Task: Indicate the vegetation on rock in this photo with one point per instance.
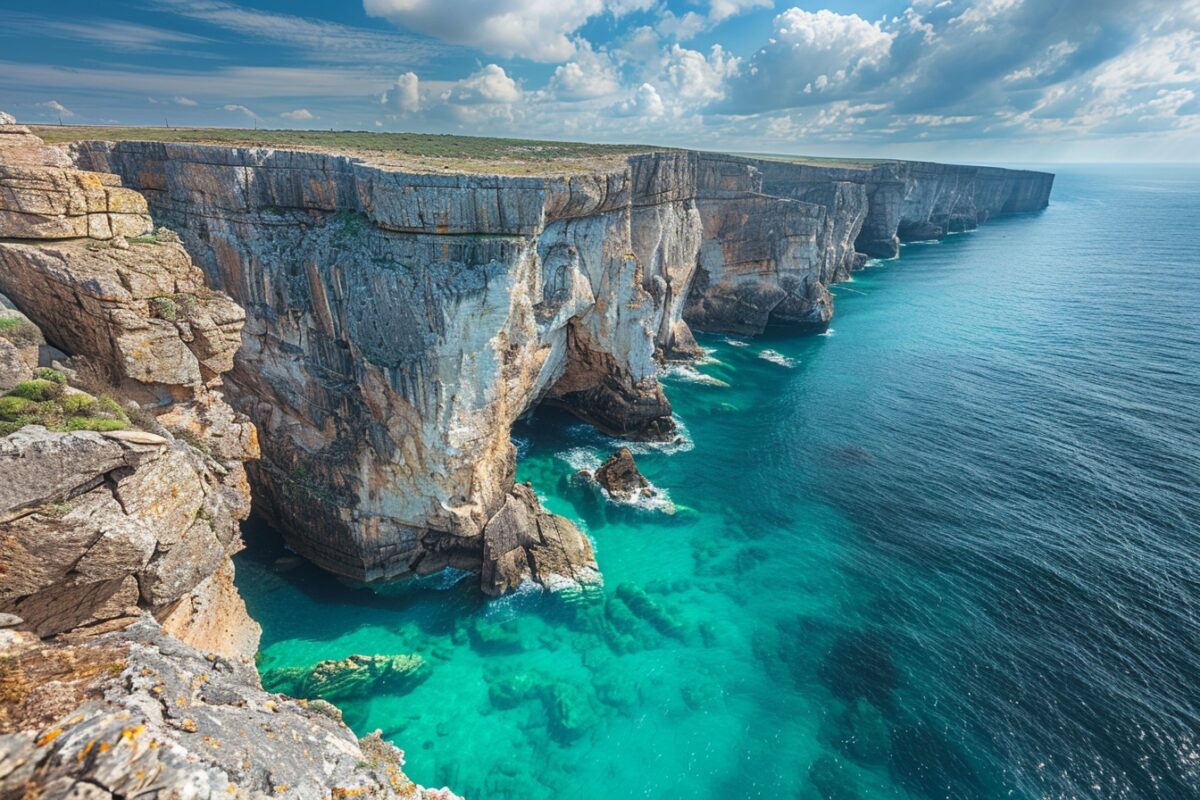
(45, 400)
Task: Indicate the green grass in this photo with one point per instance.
(44, 401)
(19, 331)
(434, 150)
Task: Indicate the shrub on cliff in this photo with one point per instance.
(46, 401)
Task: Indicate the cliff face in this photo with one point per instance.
(914, 200)
(127, 654)
(399, 322)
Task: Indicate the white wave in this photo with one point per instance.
(826, 332)
(522, 446)
(689, 374)
(732, 342)
(776, 357)
(581, 459)
(659, 500)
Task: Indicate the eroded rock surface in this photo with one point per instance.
(399, 322)
(620, 476)
(140, 714)
(116, 543)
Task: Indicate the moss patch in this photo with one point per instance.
(44, 401)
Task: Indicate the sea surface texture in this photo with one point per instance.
(950, 549)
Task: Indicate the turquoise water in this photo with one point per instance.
(949, 550)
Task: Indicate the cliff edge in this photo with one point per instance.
(126, 653)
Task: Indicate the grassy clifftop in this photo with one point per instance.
(410, 150)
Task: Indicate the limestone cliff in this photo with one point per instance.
(126, 654)
(400, 321)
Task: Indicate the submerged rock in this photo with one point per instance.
(620, 477)
(356, 676)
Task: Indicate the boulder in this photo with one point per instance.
(620, 477)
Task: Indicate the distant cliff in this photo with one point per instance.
(400, 322)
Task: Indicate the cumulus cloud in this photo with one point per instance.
(591, 74)
(645, 103)
(57, 108)
(405, 94)
(541, 30)
(240, 109)
(299, 115)
(490, 85)
(696, 77)
(813, 58)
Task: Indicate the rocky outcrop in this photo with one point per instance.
(399, 322)
(620, 476)
(523, 543)
(139, 714)
(119, 509)
(103, 525)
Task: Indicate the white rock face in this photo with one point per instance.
(399, 322)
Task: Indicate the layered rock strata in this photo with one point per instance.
(99, 526)
(127, 654)
(399, 322)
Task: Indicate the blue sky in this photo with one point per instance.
(978, 80)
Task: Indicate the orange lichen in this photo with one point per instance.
(49, 736)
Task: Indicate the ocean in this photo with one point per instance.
(949, 549)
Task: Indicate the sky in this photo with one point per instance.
(968, 80)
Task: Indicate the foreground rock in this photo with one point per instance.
(620, 477)
(102, 526)
(119, 510)
(138, 713)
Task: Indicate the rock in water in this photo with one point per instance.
(621, 478)
(356, 676)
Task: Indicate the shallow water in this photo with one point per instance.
(950, 551)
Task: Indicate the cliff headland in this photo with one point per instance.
(348, 338)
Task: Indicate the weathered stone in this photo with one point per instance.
(523, 542)
(175, 723)
(620, 477)
(388, 420)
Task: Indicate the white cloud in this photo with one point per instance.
(490, 85)
(590, 75)
(57, 108)
(812, 58)
(124, 37)
(299, 115)
(180, 100)
(540, 30)
(645, 102)
(405, 94)
(240, 109)
(724, 9)
(683, 26)
(696, 77)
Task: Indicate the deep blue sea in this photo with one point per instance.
(949, 550)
